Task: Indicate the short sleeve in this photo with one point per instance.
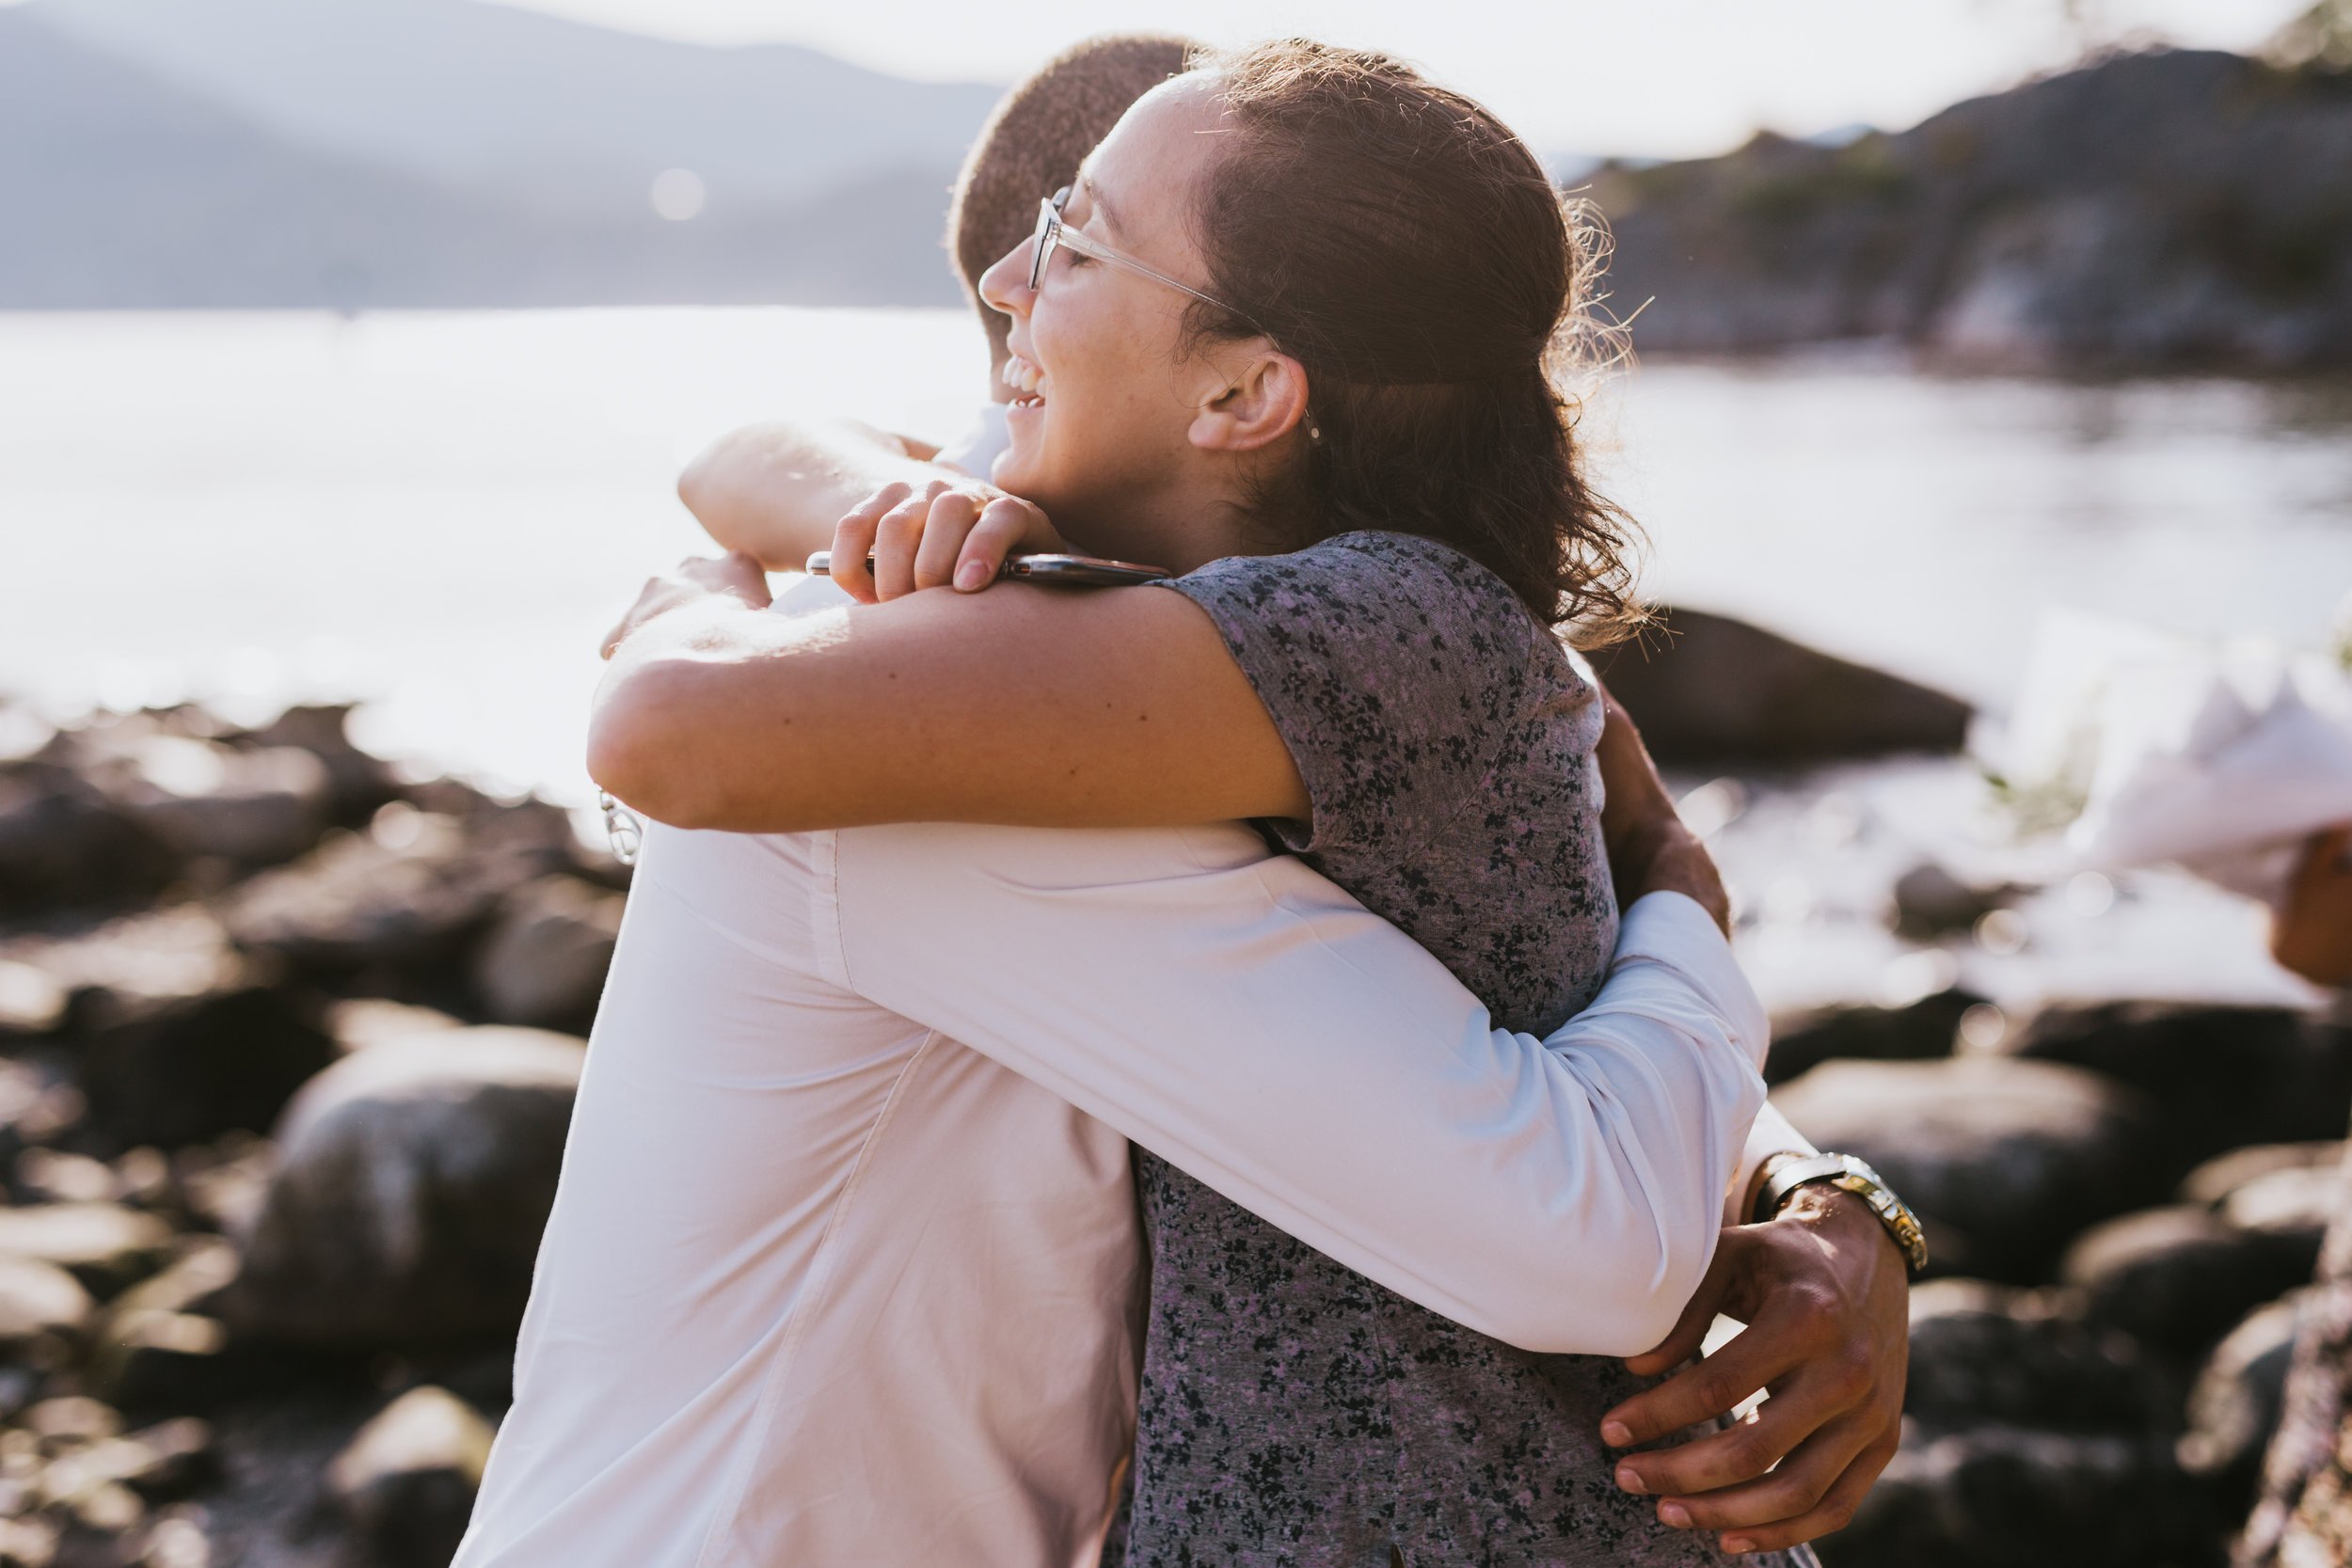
(1391, 665)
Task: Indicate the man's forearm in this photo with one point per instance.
(774, 491)
(1240, 1016)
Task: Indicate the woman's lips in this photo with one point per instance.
(1027, 379)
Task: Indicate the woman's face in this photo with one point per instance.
(1106, 389)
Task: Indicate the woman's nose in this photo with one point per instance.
(1004, 286)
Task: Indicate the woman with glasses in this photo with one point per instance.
(1294, 338)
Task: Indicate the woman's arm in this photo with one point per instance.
(1024, 706)
(775, 491)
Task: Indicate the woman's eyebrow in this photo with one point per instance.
(1094, 199)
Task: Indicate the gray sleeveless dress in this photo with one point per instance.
(1293, 1413)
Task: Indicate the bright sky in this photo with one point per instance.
(1663, 77)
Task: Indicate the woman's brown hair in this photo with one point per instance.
(1408, 249)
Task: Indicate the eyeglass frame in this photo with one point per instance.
(1052, 230)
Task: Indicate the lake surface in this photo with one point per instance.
(443, 512)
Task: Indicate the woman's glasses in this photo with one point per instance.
(1052, 231)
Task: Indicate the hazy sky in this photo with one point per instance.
(1655, 76)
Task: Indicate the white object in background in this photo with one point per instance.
(2221, 759)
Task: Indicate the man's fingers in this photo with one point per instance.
(1713, 1388)
(1833, 1512)
(951, 519)
(1806, 1474)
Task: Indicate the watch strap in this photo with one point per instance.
(1784, 1175)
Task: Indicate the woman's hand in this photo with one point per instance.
(697, 578)
(947, 532)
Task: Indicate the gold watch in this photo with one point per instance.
(1783, 1174)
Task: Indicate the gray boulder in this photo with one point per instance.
(255, 807)
(1984, 1354)
(1922, 1031)
(2008, 1160)
(104, 1246)
(406, 1485)
(2217, 1177)
(2024, 1498)
(2234, 1405)
(64, 845)
(2222, 1077)
(358, 782)
(2177, 1277)
(545, 960)
(414, 1178)
(1712, 691)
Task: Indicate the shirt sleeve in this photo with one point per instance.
(1771, 1133)
(1243, 1018)
(1386, 663)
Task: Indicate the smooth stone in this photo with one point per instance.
(2016, 1156)
(39, 1304)
(1985, 1354)
(2177, 1277)
(2234, 1405)
(1712, 691)
(545, 960)
(104, 1246)
(2217, 1177)
(406, 1485)
(1922, 1031)
(412, 1183)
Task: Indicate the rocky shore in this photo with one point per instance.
(2150, 210)
(289, 1038)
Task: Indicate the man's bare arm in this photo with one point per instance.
(775, 491)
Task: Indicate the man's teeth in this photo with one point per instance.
(1023, 376)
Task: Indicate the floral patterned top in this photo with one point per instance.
(1294, 1413)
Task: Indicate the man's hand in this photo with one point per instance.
(1649, 849)
(696, 578)
(948, 531)
(2312, 934)
(1826, 1300)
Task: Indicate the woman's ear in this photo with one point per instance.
(1262, 400)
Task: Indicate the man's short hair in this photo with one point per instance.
(1032, 146)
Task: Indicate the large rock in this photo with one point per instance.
(253, 807)
(1922, 1031)
(104, 1246)
(406, 1484)
(1716, 692)
(43, 1308)
(2212, 1182)
(2154, 209)
(2177, 1277)
(545, 960)
(358, 782)
(2023, 1498)
(63, 843)
(2234, 1406)
(1984, 1354)
(399, 903)
(2223, 1077)
(2014, 1157)
(180, 1037)
(414, 1179)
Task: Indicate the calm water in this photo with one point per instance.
(444, 511)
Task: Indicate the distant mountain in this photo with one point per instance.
(527, 107)
(2168, 208)
(123, 189)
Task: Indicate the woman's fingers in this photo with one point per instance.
(897, 539)
(1001, 526)
(853, 541)
(953, 512)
